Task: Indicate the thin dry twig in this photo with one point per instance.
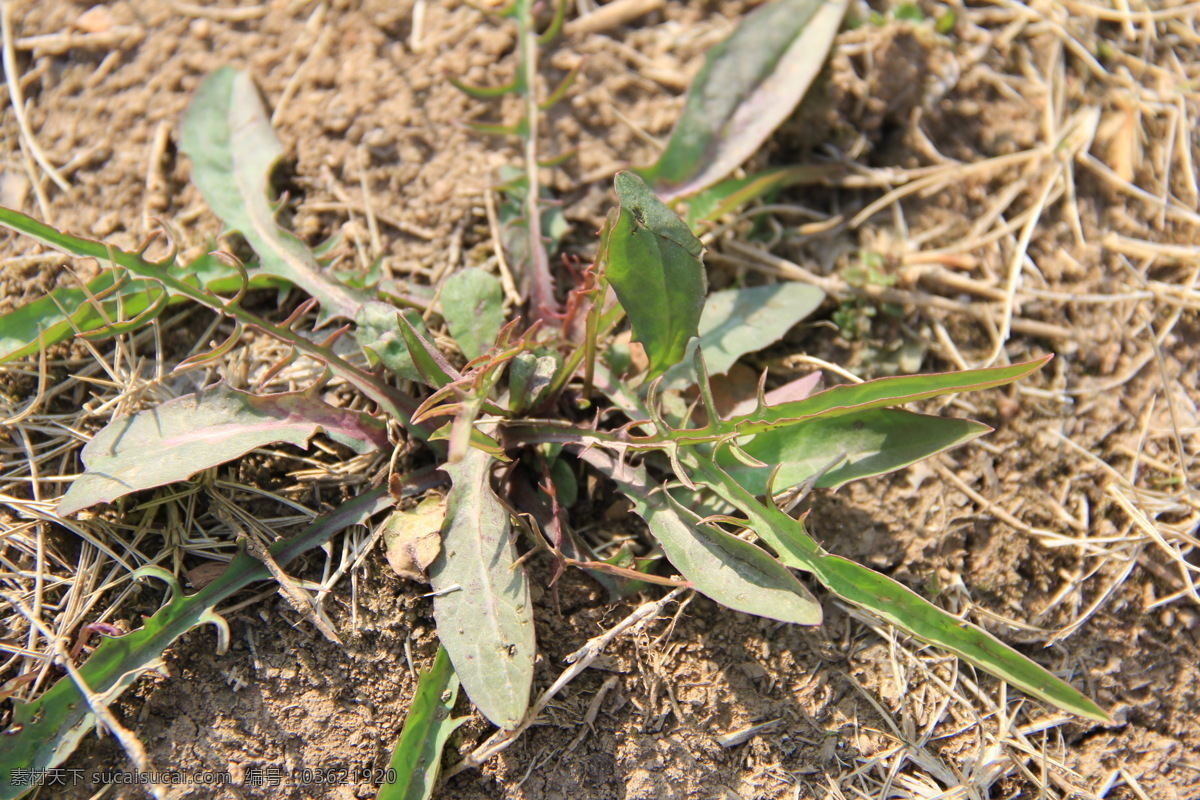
(612, 15)
(512, 298)
(837, 287)
(316, 28)
(28, 142)
(239, 14)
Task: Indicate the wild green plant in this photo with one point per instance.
(533, 407)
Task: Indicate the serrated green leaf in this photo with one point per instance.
(830, 404)
(227, 134)
(418, 754)
(881, 393)
(749, 84)
(21, 328)
(483, 611)
(188, 434)
(431, 365)
(873, 442)
(381, 336)
(653, 263)
(473, 305)
(725, 568)
(887, 599)
(394, 402)
(740, 321)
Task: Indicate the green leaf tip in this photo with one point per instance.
(652, 214)
(217, 424)
(417, 757)
(653, 263)
(227, 134)
(749, 84)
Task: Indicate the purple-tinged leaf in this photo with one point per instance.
(188, 434)
(749, 84)
(794, 391)
(531, 232)
(228, 136)
(880, 393)
(790, 392)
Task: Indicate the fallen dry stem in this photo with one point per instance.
(17, 98)
(836, 286)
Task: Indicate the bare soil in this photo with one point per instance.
(1073, 525)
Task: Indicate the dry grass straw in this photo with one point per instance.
(1032, 258)
(59, 575)
(1122, 124)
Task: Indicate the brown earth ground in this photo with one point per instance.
(1044, 193)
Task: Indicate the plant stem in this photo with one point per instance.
(542, 303)
(797, 549)
(390, 400)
